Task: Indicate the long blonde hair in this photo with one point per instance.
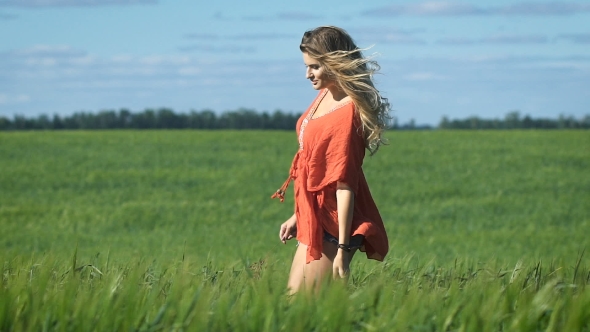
(344, 62)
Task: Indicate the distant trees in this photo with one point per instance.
(410, 125)
(162, 118)
(244, 118)
(513, 120)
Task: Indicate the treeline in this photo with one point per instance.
(162, 118)
(513, 120)
(243, 118)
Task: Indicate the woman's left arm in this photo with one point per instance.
(345, 203)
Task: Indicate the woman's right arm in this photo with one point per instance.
(288, 229)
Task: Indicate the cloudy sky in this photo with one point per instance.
(482, 58)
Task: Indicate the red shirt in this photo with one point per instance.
(332, 149)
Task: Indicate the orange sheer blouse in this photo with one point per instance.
(331, 150)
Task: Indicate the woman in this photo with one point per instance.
(335, 214)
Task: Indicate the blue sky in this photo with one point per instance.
(482, 58)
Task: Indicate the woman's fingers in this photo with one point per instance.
(284, 235)
(282, 232)
(344, 273)
(340, 267)
(341, 273)
(287, 231)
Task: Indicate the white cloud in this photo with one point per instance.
(424, 76)
(72, 3)
(429, 8)
(8, 99)
(515, 39)
(258, 18)
(388, 35)
(496, 39)
(238, 43)
(6, 17)
(456, 41)
(243, 36)
(47, 66)
(190, 71)
(578, 38)
(152, 60)
(280, 16)
(541, 86)
(453, 8)
(417, 87)
(22, 98)
(121, 58)
(399, 39)
(544, 8)
(41, 62)
(218, 49)
(261, 36)
(298, 16)
(83, 60)
(62, 51)
(205, 36)
(155, 60)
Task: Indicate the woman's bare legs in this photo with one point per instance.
(308, 276)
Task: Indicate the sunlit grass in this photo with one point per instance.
(46, 293)
(174, 230)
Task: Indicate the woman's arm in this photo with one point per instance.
(345, 203)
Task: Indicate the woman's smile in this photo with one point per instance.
(315, 73)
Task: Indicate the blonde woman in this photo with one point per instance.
(335, 214)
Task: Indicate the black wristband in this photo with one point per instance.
(344, 247)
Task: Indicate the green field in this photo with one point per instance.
(174, 230)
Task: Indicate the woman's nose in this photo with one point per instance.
(308, 73)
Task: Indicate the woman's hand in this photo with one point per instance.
(288, 229)
(341, 265)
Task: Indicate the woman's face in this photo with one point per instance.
(314, 72)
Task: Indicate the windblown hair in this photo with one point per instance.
(344, 62)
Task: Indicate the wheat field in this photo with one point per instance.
(174, 230)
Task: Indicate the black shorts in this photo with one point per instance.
(355, 241)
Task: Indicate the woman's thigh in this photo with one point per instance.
(310, 275)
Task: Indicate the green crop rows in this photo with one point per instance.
(175, 230)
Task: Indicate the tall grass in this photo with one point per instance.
(174, 230)
(44, 293)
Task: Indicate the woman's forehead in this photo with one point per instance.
(309, 60)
